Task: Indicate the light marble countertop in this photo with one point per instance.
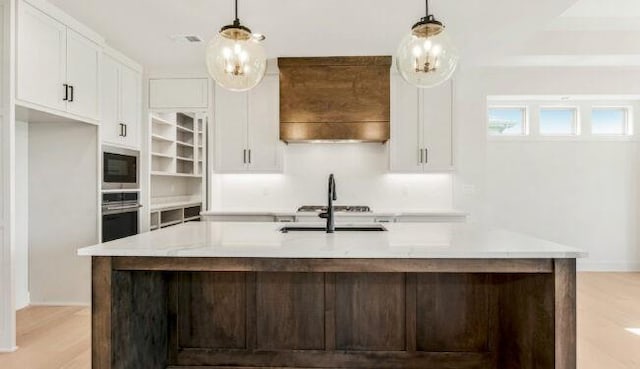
(374, 213)
(401, 241)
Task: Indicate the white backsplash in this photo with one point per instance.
(361, 175)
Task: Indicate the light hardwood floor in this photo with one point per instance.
(608, 304)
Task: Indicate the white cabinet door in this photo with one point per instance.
(110, 128)
(437, 108)
(130, 105)
(41, 58)
(83, 60)
(264, 126)
(231, 130)
(184, 93)
(406, 127)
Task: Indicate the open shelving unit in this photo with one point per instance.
(176, 144)
(177, 156)
(170, 216)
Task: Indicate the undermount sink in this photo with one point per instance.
(374, 228)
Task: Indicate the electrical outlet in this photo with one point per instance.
(469, 189)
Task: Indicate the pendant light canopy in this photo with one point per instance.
(235, 57)
(426, 56)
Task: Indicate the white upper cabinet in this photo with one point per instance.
(437, 122)
(265, 148)
(57, 67)
(247, 128)
(179, 93)
(421, 127)
(231, 130)
(406, 127)
(131, 105)
(41, 64)
(110, 128)
(83, 60)
(121, 104)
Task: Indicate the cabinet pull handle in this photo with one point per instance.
(421, 157)
(125, 129)
(244, 156)
(71, 97)
(121, 134)
(426, 155)
(249, 156)
(66, 92)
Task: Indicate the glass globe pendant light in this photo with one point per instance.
(235, 57)
(426, 56)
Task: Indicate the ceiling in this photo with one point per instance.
(486, 32)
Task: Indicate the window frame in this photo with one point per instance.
(526, 129)
(628, 122)
(576, 120)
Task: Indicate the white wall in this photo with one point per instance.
(361, 176)
(7, 296)
(21, 247)
(582, 194)
(63, 210)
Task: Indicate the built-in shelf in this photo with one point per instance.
(163, 174)
(158, 120)
(159, 155)
(161, 138)
(169, 224)
(177, 158)
(181, 128)
(170, 214)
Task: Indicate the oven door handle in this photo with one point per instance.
(108, 210)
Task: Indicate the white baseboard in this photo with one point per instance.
(614, 266)
(9, 350)
(60, 303)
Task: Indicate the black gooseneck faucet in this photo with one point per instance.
(331, 226)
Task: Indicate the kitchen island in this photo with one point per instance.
(245, 295)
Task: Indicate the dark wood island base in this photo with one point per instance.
(163, 312)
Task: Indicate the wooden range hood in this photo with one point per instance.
(335, 99)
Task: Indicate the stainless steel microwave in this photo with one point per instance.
(119, 169)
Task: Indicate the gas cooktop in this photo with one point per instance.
(337, 208)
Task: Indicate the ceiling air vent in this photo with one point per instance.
(186, 38)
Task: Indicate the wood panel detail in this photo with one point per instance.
(335, 265)
(101, 317)
(334, 98)
(565, 313)
(139, 323)
(212, 310)
(526, 313)
(335, 359)
(443, 314)
(290, 311)
(453, 313)
(370, 311)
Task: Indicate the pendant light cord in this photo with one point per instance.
(237, 11)
(427, 7)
